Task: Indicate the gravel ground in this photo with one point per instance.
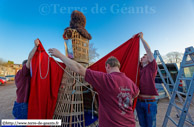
(8, 96)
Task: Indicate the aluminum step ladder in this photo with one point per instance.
(182, 104)
(168, 77)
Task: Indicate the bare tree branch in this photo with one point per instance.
(173, 57)
(93, 55)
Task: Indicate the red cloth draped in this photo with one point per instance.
(128, 55)
(43, 92)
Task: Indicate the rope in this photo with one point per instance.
(75, 78)
(93, 106)
(82, 85)
(40, 67)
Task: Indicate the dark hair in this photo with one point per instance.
(78, 22)
(24, 62)
(113, 62)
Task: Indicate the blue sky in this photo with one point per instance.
(168, 25)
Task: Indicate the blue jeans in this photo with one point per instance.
(20, 110)
(146, 112)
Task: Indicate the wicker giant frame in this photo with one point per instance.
(71, 102)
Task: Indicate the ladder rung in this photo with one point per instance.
(178, 101)
(185, 78)
(191, 122)
(172, 120)
(188, 65)
(189, 51)
(181, 93)
(176, 106)
(181, 79)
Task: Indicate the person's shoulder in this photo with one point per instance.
(93, 71)
(153, 62)
(25, 67)
(18, 73)
(90, 72)
(127, 78)
(131, 81)
(153, 66)
(117, 75)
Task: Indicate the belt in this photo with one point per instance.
(147, 100)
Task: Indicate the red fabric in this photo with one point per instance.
(128, 56)
(43, 92)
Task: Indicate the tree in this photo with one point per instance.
(93, 55)
(10, 62)
(173, 57)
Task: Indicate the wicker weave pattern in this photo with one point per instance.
(69, 107)
(70, 103)
(80, 46)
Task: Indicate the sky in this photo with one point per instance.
(168, 25)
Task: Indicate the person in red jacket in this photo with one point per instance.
(22, 81)
(147, 104)
(115, 91)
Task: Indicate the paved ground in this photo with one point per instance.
(8, 96)
(162, 107)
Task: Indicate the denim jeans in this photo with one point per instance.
(146, 112)
(20, 110)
